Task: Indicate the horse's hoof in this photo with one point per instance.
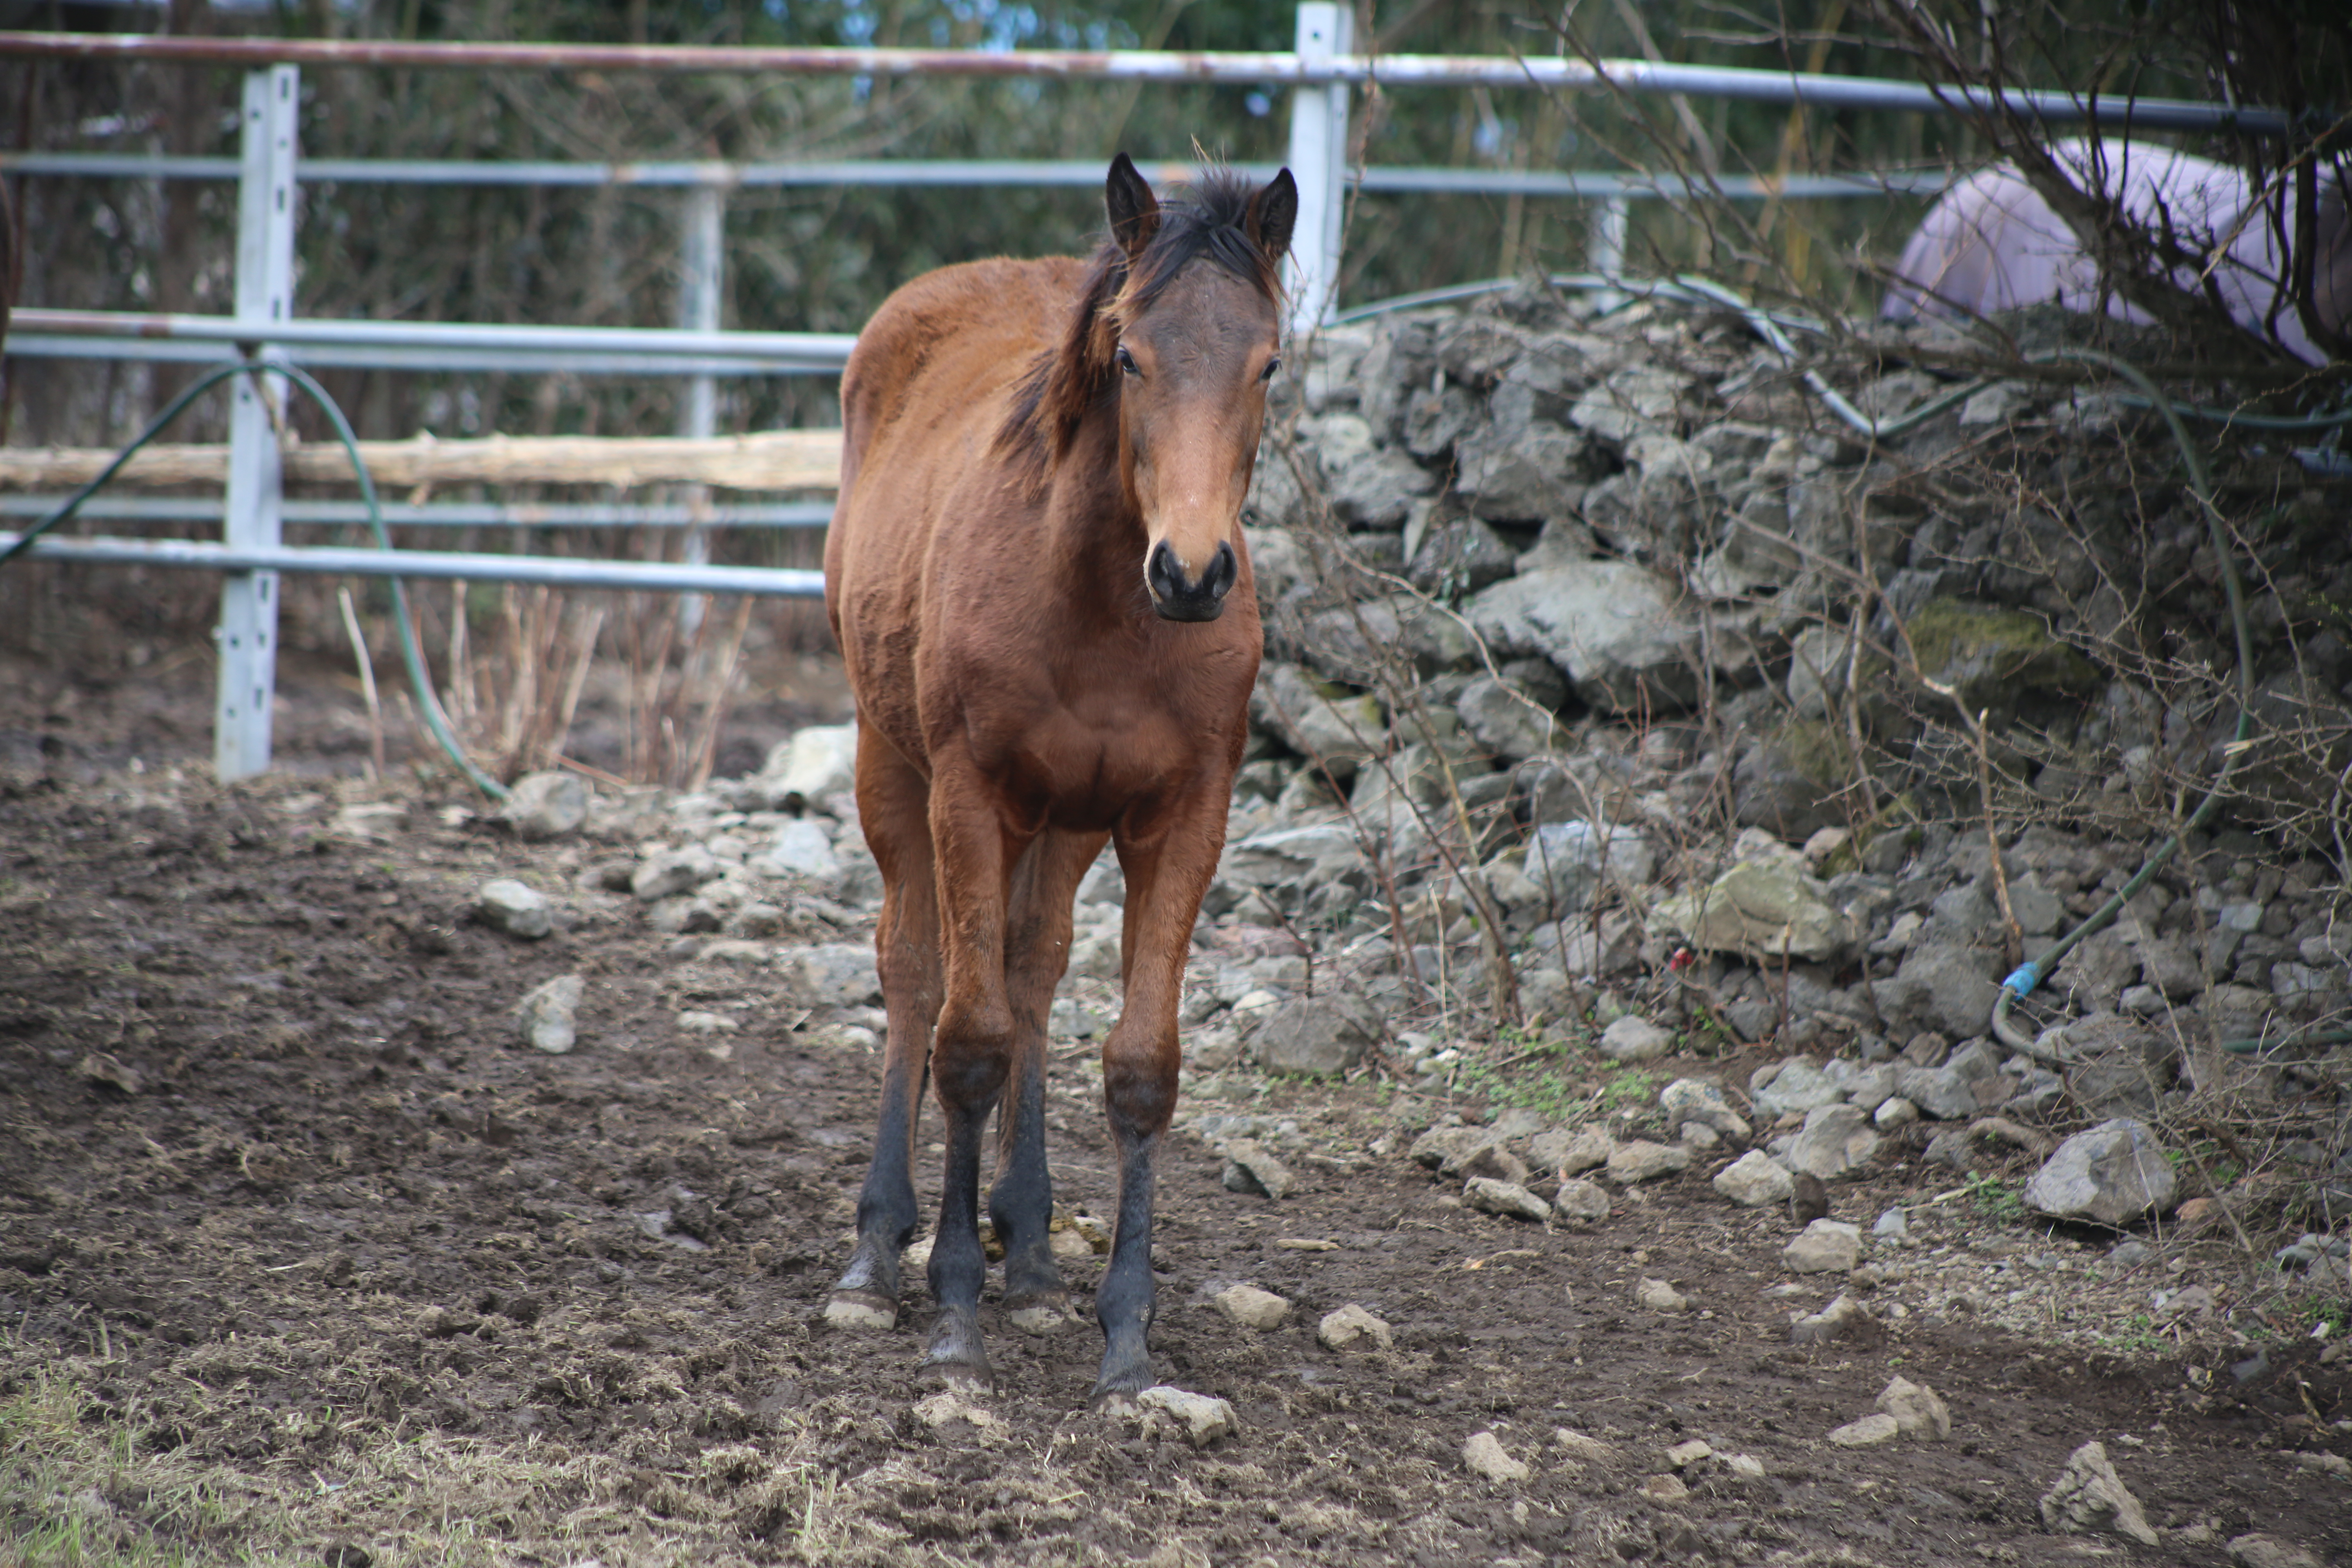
(861, 1311)
(961, 1376)
(1040, 1315)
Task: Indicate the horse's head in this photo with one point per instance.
(1192, 337)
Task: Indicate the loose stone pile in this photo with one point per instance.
(1548, 595)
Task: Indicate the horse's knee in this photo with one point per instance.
(1139, 1088)
(971, 1054)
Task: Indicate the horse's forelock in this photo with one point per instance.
(1210, 219)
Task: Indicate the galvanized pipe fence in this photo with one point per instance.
(1321, 70)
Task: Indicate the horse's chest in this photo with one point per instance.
(1081, 763)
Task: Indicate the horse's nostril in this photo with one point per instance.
(1222, 571)
(1166, 581)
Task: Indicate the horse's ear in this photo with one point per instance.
(1134, 211)
(1273, 213)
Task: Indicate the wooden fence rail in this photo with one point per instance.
(781, 460)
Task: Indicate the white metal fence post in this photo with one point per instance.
(702, 250)
(264, 296)
(1612, 222)
(1318, 162)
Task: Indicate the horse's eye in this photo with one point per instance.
(1271, 366)
(1126, 362)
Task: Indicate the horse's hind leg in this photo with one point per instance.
(892, 806)
(1037, 951)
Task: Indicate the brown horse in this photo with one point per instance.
(1038, 578)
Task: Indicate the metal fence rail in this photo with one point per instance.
(1374, 179)
(1303, 68)
(440, 514)
(554, 571)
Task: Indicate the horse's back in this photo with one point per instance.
(945, 349)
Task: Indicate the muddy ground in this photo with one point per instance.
(304, 1257)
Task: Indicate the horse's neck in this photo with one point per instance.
(1094, 533)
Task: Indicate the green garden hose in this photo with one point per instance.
(418, 679)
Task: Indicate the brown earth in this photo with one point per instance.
(304, 1257)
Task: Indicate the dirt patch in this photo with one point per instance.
(301, 1250)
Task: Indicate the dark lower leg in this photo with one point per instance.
(1021, 1204)
(958, 1263)
(1123, 1304)
(868, 1295)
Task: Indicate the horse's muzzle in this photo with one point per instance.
(1180, 599)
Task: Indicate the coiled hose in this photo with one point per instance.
(418, 679)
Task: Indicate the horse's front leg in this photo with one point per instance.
(972, 1050)
(1167, 866)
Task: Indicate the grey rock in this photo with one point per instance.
(1520, 478)
(1824, 1246)
(1951, 1148)
(1251, 1167)
(1695, 1100)
(1376, 491)
(1493, 1160)
(1570, 1152)
(1869, 1432)
(1583, 1201)
(1507, 1199)
(1917, 1409)
(1442, 1148)
(1251, 1308)
(1840, 1317)
(1641, 1159)
(1506, 720)
(816, 762)
(1573, 862)
(545, 806)
(1198, 1418)
(1894, 1113)
(1659, 1296)
(1321, 1035)
(1894, 1227)
(1633, 400)
(2089, 1497)
(1837, 1140)
(1755, 1180)
(1483, 1455)
(1635, 1039)
(1617, 630)
(2113, 1173)
(504, 904)
(1940, 986)
(1795, 1085)
(1976, 1060)
(802, 847)
(1351, 1326)
(1342, 732)
(2039, 911)
(668, 873)
(833, 974)
(549, 1014)
(1765, 909)
(2258, 1550)
(1942, 1092)
(1869, 1090)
